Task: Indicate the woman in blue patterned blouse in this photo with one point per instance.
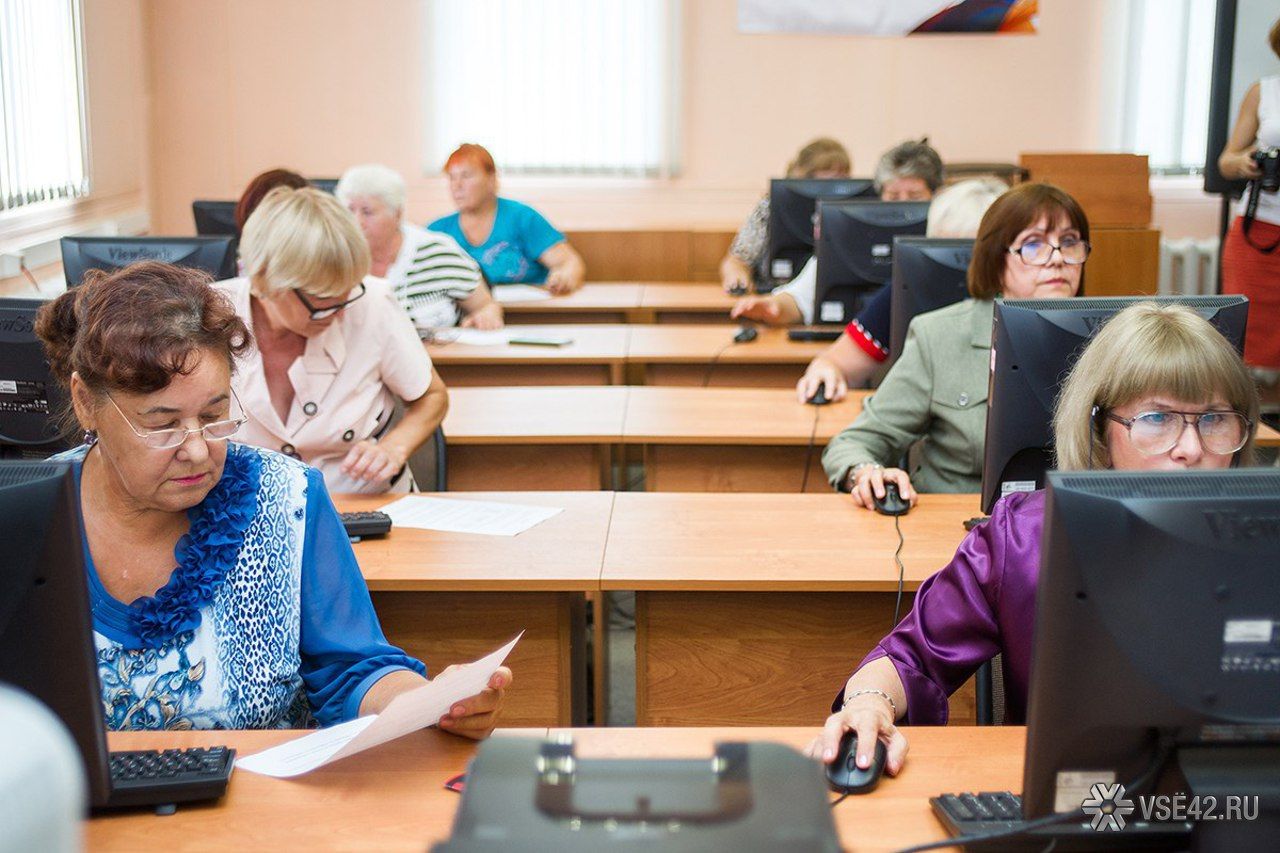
(265, 622)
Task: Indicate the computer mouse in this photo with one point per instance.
(819, 397)
(739, 289)
(746, 334)
(844, 776)
(892, 502)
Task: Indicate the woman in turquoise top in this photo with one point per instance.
(224, 591)
(511, 241)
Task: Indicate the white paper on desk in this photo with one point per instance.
(407, 713)
(479, 338)
(490, 518)
(509, 294)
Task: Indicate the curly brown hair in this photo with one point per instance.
(136, 328)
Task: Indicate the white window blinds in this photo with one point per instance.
(557, 86)
(42, 134)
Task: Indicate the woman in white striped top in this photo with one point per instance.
(433, 278)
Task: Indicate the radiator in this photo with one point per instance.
(1188, 267)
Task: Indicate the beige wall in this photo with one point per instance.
(243, 85)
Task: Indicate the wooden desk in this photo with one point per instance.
(733, 439)
(613, 302)
(393, 798)
(533, 437)
(739, 591)
(435, 593)
(689, 302)
(595, 357)
(676, 354)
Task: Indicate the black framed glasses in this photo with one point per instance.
(167, 439)
(1038, 253)
(326, 311)
(1154, 433)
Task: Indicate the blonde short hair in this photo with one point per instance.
(957, 209)
(1148, 348)
(303, 239)
(373, 180)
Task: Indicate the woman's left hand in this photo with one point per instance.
(371, 462)
(560, 283)
(486, 319)
(475, 716)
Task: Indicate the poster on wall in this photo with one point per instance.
(888, 17)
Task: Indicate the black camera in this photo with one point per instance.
(1268, 160)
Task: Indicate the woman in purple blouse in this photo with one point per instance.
(1150, 374)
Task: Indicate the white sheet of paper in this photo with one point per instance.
(509, 294)
(478, 338)
(491, 518)
(407, 713)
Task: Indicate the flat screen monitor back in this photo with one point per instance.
(855, 251)
(215, 218)
(32, 403)
(46, 639)
(1158, 614)
(928, 273)
(1034, 343)
(214, 255)
(792, 204)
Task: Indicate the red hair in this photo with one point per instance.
(469, 152)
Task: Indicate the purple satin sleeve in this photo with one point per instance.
(981, 604)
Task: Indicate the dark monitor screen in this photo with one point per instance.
(214, 255)
(46, 639)
(31, 401)
(1158, 632)
(792, 204)
(326, 184)
(1034, 342)
(855, 251)
(928, 273)
(215, 218)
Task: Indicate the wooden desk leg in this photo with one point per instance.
(549, 663)
(599, 602)
(756, 658)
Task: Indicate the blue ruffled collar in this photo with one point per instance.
(205, 554)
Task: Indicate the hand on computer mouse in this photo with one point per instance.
(819, 396)
(892, 503)
(822, 372)
(869, 485)
(871, 718)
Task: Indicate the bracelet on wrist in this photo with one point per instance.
(869, 691)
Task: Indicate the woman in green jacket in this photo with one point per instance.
(1032, 244)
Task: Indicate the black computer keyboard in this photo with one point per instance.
(1001, 811)
(366, 524)
(821, 335)
(151, 777)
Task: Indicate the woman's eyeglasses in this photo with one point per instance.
(1038, 253)
(326, 311)
(1155, 433)
(167, 439)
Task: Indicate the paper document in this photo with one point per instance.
(407, 713)
(509, 294)
(458, 516)
(477, 338)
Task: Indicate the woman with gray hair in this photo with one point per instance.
(432, 277)
(909, 171)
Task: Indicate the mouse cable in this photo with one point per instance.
(1164, 750)
(902, 570)
(840, 799)
(808, 451)
(706, 377)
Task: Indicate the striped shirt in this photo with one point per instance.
(430, 276)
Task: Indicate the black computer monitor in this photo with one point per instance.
(215, 218)
(46, 639)
(792, 204)
(1158, 628)
(928, 273)
(1034, 342)
(32, 403)
(326, 184)
(214, 255)
(855, 251)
